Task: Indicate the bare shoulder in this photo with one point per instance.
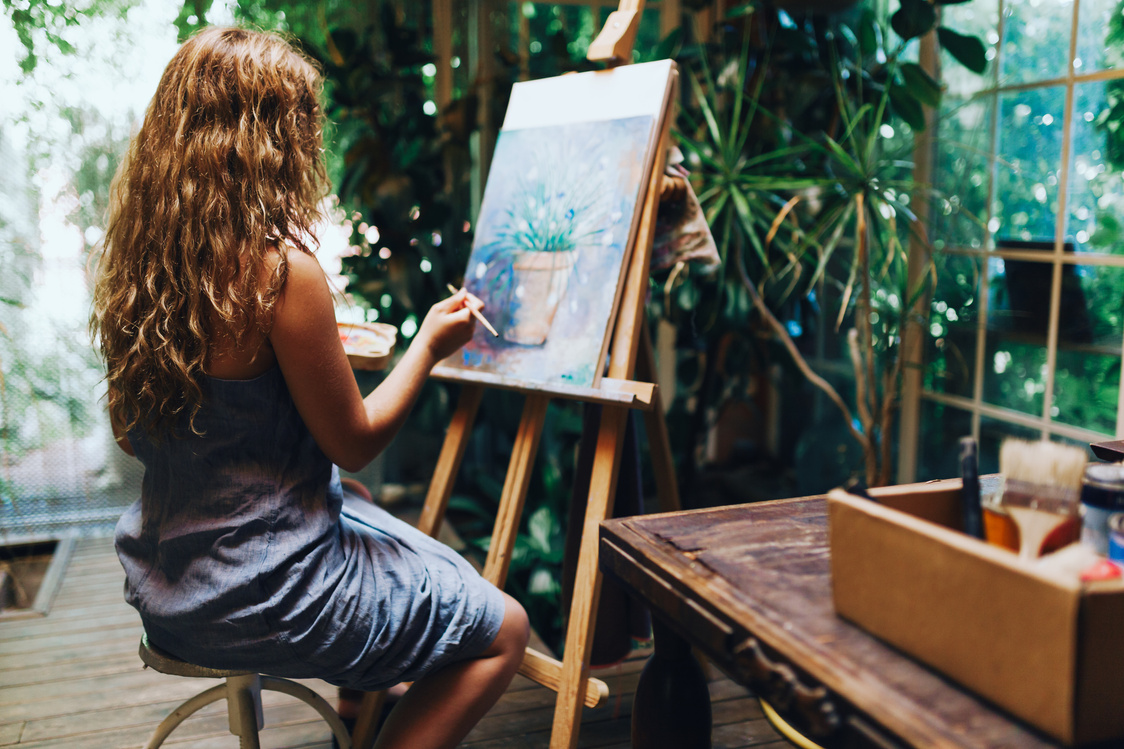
(304, 282)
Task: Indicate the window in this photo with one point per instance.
(1027, 321)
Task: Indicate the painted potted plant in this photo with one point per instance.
(556, 210)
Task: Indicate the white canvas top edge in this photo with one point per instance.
(595, 96)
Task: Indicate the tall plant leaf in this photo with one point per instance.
(969, 51)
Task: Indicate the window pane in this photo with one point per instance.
(938, 449)
(1027, 162)
(1018, 318)
(951, 344)
(962, 174)
(1100, 34)
(1096, 190)
(1035, 40)
(1087, 379)
(992, 434)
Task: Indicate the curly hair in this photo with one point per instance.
(226, 168)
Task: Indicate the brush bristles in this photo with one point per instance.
(1043, 463)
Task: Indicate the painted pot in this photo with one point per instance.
(539, 281)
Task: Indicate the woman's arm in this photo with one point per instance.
(349, 429)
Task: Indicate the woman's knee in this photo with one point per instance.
(514, 632)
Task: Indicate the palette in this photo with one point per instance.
(368, 345)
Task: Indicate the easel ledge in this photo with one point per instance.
(610, 392)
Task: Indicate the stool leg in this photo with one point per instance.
(181, 713)
(303, 693)
(243, 707)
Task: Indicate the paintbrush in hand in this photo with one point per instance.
(1042, 489)
(475, 312)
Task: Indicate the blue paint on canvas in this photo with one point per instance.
(549, 247)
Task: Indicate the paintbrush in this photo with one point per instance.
(1042, 489)
(970, 492)
(475, 312)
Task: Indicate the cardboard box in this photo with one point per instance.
(1037, 643)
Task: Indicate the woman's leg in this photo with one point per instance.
(439, 710)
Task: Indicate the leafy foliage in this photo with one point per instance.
(804, 173)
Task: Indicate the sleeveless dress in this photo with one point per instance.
(244, 553)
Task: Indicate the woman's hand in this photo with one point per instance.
(449, 324)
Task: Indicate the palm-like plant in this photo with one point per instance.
(828, 210)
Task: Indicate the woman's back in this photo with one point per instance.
(230, 518)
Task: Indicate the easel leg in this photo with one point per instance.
(449, 461)
(663, 465)
(587, 585)
(515, 489)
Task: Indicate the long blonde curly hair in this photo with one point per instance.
(226, 167)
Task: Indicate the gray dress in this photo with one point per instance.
(243, 552)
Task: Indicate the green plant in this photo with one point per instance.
(809, 193)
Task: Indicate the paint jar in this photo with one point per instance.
(1102, 495)
(1116, 537)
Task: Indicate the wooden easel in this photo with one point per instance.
(631, 355)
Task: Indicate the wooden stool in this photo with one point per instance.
(242, 691)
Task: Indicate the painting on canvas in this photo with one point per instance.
(558, 214)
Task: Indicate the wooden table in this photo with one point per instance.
(750, 586)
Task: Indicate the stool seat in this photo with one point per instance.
(242, 691)
(166, 663)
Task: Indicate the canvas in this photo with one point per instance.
(558, 216)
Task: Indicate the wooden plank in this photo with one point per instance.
(208, 727)
(119, 643)
(42, 630)
(547, 671)
(68, 670)
(449, 461)
(515, 486)
(72, 616)
(155, 687)
(121, 682)
(148, 714)
(50, 641)
(10, 733)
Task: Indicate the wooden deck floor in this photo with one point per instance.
(73, 679)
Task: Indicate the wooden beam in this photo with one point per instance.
(547, 671)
